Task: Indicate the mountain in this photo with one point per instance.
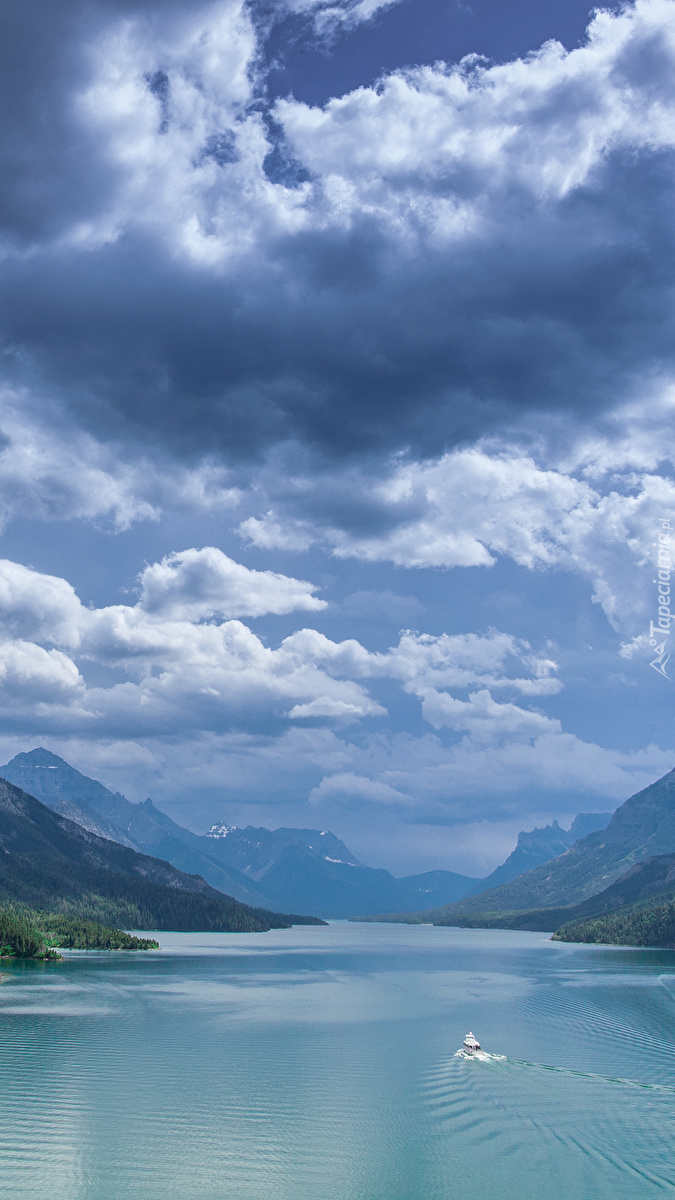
(649, 882)
(85, 816)
(48, 862)
(637, 910)
(344, 889)
(322, 875)
(253, 849)
(308, 869)
(642, 827)
(653, 878)
(540, 845)
(140, 826)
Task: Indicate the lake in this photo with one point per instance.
(319, 1064)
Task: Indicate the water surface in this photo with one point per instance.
(319, 1064)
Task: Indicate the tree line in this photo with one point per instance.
(25, 933)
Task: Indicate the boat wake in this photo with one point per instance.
(480, 1056)
(631, 1083)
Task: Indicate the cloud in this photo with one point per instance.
(37, 606)
(50, 470)
(426, 661)
(34, 677)
(436, 783)
(428, 324)
(348, 786)
(484, 719)
(181, 661)
(195, 584)
(454, 249)
(591, 507)
(175, 667)
(327, 706)
(185, 667)
(330, 17)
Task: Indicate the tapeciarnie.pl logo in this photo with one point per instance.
(659, 631)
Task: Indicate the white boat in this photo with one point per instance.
(471, 1044)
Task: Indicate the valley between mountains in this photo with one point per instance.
(72, 846)
(298, 870)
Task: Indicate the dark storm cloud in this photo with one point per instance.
(348, 336)
(337, 345)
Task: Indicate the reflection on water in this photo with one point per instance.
(321, 1064)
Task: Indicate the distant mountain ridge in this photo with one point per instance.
(253, 849)
(307, 869)
(642, 827)
(141, 826)
(540, 845)
(260, 867)
(50, 863)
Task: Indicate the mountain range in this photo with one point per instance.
(73, 846)
(305, 870)
(621, 870)
(642, 827)
(50, 863)
(539, 846)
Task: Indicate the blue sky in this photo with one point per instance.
(336, 407)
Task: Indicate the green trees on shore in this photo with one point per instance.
(28, 934)
(652, 925)
(19, 937)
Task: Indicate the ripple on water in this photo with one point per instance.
(504, 1107)
(138, 1079)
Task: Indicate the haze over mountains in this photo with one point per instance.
(539, 846)
(257, 866)
(627, 865)
(303, 870)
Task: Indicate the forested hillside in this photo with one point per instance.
(652, 925)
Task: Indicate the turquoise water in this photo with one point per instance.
(319, 1064)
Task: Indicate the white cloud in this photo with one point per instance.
(327, 706)
(541, 125)
(433, 152)
(425, 661)
(188, 666)
(37, 606)
(484, 719)
(454, 155)
(346, 785)
(183, 674)
(329, 17)
(171, 109)
(35, 677)
(590, 508)
(193, 584)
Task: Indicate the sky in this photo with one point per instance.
(337, 385)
